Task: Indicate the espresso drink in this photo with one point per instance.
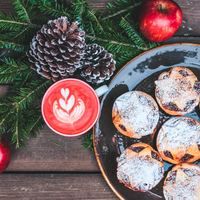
(70, 107)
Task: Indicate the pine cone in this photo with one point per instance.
(57, 49)
(98, 64)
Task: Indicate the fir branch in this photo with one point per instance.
(28, 95)
(16, 132)
(12, 46)
(52, 8)
(119, 7)
(4, 118)
(132, 33)
(87, 141)
(9, 23)
(10, 70)
(21, 11)
(118, 43)
(92, 17)
(13, 22)
(79, 7)
(36, 125)
(21, 33)
(120, 12)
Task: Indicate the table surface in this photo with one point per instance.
(54, 167)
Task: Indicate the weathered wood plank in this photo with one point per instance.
(53, 186)
(51, 152)
(184, 39)
(5, 5)
(191, 18)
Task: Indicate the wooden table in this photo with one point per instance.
(54, 167)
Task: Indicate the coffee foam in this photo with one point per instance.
(68, 109)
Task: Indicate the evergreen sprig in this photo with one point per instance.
(12, 46)
(9, 23)
(52, 8)
(11, 70)
(22, 12)
(114, 28)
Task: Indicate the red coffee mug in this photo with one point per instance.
(71, 107)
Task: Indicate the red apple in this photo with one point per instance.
(4, 156)
(160, 19)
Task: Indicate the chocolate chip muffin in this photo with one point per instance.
(135, 114)
(179, 140)
(177, 91)
(183, 183)
(140, 167)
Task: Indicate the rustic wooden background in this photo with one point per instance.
(54, 167)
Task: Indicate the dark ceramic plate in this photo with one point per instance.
(138, 74)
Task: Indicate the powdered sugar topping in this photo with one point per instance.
(173, 88)
(138, 111)
(184, 187)
(139, 172)
(179, 133)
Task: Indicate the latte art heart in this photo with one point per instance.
(68, 109)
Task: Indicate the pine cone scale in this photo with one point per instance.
(57, 49)
(98, 64)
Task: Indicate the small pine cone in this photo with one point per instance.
(57, 49)
(98, 64)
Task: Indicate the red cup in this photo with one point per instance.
(70, 107)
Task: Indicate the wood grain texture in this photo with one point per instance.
(54, 186)
(51, 152)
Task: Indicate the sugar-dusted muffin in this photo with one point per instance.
(140, 167)
(179, 140)
(183, 183)
(135, 114)
(177, 92)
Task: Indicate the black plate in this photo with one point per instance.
(138, 74)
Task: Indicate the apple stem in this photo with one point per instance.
(162, 9)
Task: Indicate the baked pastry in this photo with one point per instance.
(183, 183)
(176, 91)
(179, 140)
(140, 167)
(135, 114)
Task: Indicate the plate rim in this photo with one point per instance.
(94, 132)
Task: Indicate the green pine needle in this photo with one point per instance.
(10, 70)
(52, 8)
(132, 34)
(87, 141)
(121, 7)
(28, 95)
(12, 46)
(21, 11)
(10, 24)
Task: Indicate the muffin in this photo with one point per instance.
(177, 92)
(135, 114)
(179, 140)
(183, 183)
(140, 168)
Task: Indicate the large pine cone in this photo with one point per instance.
(57, 49)
(98, 64)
